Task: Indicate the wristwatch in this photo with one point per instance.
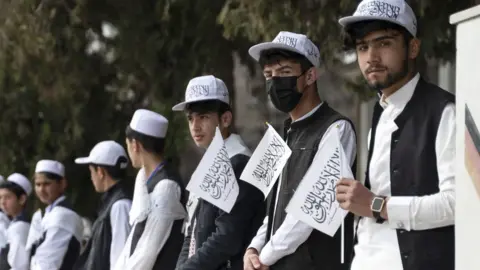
(378, 203)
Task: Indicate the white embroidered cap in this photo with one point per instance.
(22, 181)
(50, 166)
(204, 88)
(289, 41)
(394, 11)
(105, 153)
(149, 123)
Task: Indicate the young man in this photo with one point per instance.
(13, 198)
(407, 202)
(215, 239)
(107, 163)
(289, 65)
(55, 234)
(158, 208)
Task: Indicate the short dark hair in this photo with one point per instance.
(273, 56)
(14, 188)
(116, 171)
(208, 106)
(150, 144)
(359, 30)
(52, 176)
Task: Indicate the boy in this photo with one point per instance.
(215, 239)
(55, 235)
(158, 207)
(13, 198)
(107, 163)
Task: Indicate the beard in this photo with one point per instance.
(391, 79)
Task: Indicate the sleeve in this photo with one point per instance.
(183, 256)
(120, 228)
(292, 232)
(232, 229)
(436, 210)
(258, 242)
(18, 257)
(166, 208)
(49, 255)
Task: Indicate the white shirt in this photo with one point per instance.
(378, 243)
(18, 257)
(292, 232)
(51, 252)
(164, 208)
(4, 222)
(120, 228)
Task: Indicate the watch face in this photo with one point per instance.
(377, 204)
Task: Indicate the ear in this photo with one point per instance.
(135, 145)
(22, 200)
(311, 76)
(414, 48)
(226, 119)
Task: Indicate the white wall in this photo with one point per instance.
(467, 229)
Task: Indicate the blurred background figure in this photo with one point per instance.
(4, 221)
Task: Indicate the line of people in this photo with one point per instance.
(404, 210)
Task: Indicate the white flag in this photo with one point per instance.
(267, 162)
(214, 179)
(314, 201)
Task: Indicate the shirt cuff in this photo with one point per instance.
(267, 256)
(398, 210)
(257, 244)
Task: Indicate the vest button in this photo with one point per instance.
(395, 171)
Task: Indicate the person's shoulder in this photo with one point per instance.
(122, 203)
(435, 91)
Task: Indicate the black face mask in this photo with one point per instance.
(283, 93)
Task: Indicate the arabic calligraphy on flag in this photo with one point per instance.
(314, 201)
(214, 179)
(267, 162)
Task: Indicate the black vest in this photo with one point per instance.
(413, 172)
(73, 249)
(320, 251)
(4, 265)
(96, 255)
(167, 258)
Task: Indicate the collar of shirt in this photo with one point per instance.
(57, 201)
(305, 116)
(400, 98)
(235, 145)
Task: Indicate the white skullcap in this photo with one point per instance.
(149, 123)
(22, 181)
(50, 166)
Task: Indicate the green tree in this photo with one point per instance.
(64, 85)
